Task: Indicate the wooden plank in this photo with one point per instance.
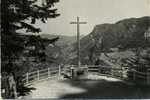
(140, 76)
(32, 76)
(34, 72)
(43, 73)
(54, 68)
(140, 73)
(148, 77)
(43, 70)
(93, 70)
(54, 71)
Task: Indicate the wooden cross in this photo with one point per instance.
(78, 38)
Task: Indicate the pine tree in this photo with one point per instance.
(17, 15)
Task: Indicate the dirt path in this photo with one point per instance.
(99, 87)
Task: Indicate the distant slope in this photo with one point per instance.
(57, 53)
(124, 34)
(127, 33)
(63, 40)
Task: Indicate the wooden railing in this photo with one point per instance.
(38, 75)
(117, 72)
(106, 71)
(29, 78)
(145, 76)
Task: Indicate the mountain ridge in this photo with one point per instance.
(124, 34)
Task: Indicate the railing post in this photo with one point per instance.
(86, 68)
(134, 75)
(112, 72)
(148, 77)
(27, 78)
(48, 72)
(122, 72)
(59, 74)
(72, 72)
(38, 76)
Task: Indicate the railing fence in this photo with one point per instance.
(102, 70)
(30, 77)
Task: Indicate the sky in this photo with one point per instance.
(93, 12)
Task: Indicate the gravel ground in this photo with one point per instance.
(98, 87)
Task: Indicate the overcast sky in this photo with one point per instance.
(93, 12)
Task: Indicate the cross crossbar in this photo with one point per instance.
(78, 22)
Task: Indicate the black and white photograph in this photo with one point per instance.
(75, 49)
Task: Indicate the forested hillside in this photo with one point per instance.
(122, 35)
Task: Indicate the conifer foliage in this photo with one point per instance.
(17, 15)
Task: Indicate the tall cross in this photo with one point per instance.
(78, 38)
